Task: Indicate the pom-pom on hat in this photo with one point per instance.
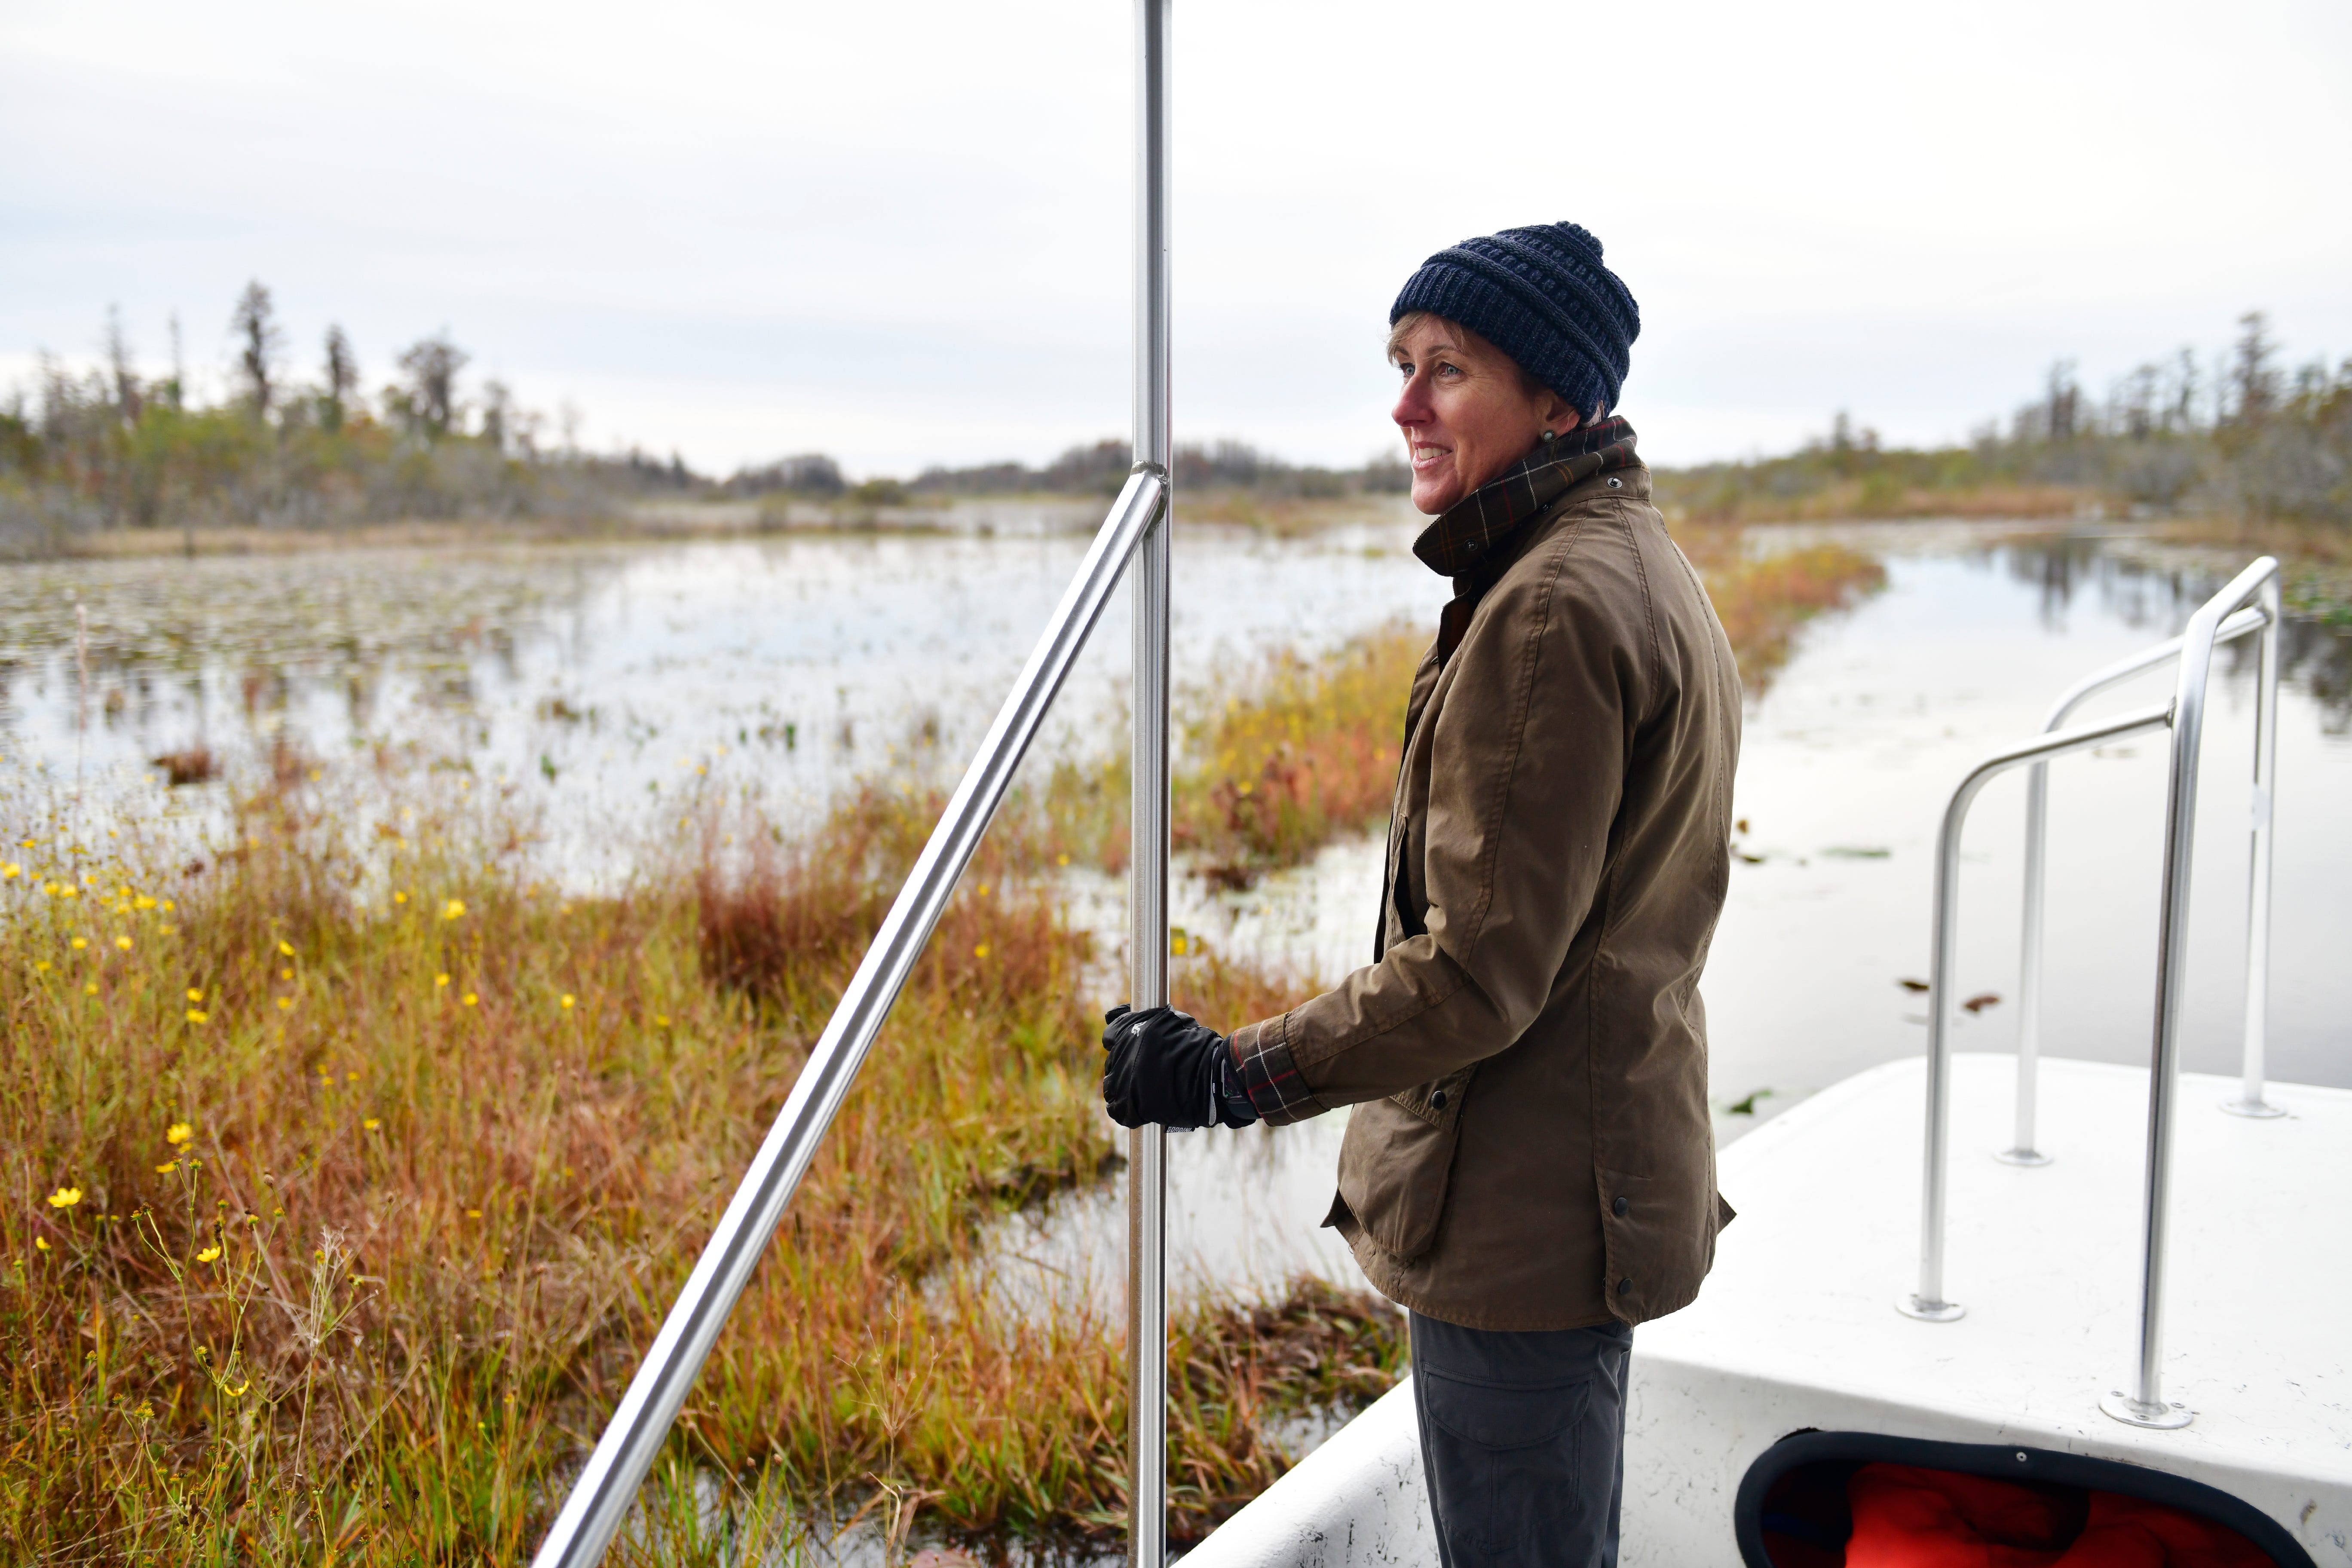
(1540, 294)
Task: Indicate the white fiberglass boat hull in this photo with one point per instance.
(1796, 1328)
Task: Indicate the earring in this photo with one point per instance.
(1547, 435)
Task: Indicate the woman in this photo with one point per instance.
(1530, 1168)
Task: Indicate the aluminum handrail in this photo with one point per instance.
(1929, 1302)
(2144, 1406)
(2026, 1149)
(1137, 528)
(602, 1495)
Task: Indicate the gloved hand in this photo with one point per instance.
(1166, 1067)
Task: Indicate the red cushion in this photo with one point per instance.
(1909, 1517)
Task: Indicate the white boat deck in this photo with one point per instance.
(1797, 1329)
(1797, 1325)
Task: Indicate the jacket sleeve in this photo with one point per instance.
(1532, 731)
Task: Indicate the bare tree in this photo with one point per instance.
(431, 395)
(255, 323)
(129, 400)
(2253, 379)
(2063, 400)
(342, 378)
(178, 390)
(498, 414)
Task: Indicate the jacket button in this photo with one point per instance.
(1619, 1207)
(1624, 1286)
(1616, 484)
(1437, 1100)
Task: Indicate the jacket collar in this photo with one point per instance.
(1465, 534)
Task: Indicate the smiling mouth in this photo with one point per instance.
(1427, 456)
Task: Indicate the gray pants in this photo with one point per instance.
(1523, 1442)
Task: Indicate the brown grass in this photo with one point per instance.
(1764, 601)
(456, 1138)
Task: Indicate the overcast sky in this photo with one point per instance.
(899, 233)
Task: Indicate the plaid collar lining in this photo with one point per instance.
(1465, 534)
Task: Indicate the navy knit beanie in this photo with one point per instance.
(1542, 297)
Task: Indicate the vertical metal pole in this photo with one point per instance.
(2023, 1152)
(2143, 1405)
(2250, 1101)
(1928, 1302)
(1147, 1171)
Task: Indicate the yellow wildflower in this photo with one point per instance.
(286, 947)
(472, 998)
(453, 910)
(285, 975)
(142, 902)
(196, 1016)
(178, 1133)
(40, 966)
(194, 995)
(661, 1020)
(1061, 859)
(79, 942)
(167, 906)
(90, 989)
(123, 942)
(69, 892)
(285, 1003)
(64, 1198)
(400, 897)
(473, 1214)
(980, 951)
(567, 1000)
(238, 1392)
(439, 981)
(167, 1167)
(42, 1242)
(371, 1125)
(10, 869)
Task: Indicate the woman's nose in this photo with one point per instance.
(1411, 405)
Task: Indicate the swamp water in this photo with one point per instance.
(602, 683)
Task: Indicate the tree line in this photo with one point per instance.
(2237, 433)
(109, 448)
(1096, 468)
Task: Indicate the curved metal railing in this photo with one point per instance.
(2225, 616)
(2027, 1149)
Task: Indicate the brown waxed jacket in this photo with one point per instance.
(1531, 1147)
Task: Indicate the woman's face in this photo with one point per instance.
(1466, 412)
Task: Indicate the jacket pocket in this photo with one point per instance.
(1658, 1240)
(1395, 1168)
(1439, 1102)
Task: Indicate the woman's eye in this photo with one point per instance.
(1445, 369)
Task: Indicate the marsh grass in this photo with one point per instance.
(385, 1159)
(1764, 601)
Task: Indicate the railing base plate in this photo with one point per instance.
(2260, 1110)
(2123, 1407)
(1929, 1312)
(2022, 1157)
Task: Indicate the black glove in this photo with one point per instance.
(1163, 1067)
